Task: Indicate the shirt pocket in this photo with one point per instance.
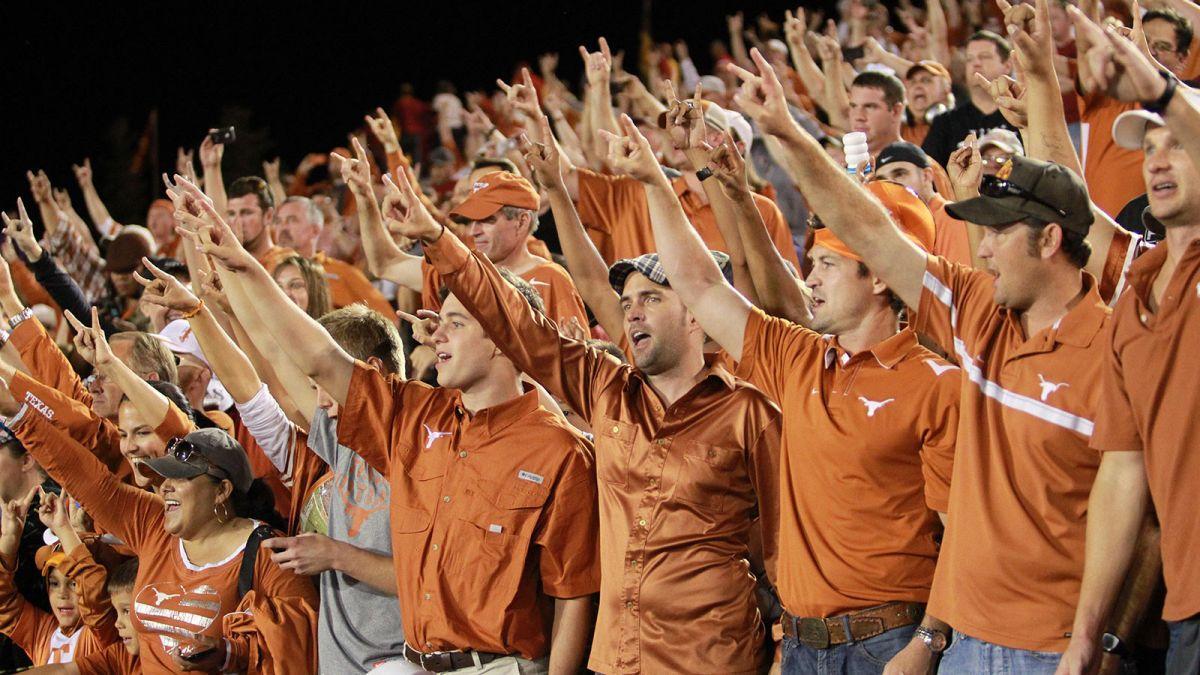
(494, 529)
(614, 442)
(705, 476)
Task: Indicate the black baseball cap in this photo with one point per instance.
(206, 451)
(1027, 188)
(903, 151)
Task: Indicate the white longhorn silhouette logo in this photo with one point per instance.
(1050, 387)
(160, 597)
(873, 406)
(431, 436)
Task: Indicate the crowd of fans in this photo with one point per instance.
(865, 352)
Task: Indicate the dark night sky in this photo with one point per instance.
(307, 75)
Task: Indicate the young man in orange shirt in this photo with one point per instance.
(686, 459)
(493, 498)
(250, 207)
(1028, 337)
(867, 405)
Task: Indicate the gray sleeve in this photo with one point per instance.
(322, 437)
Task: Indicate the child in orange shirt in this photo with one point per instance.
(71, 575)
(120, 658)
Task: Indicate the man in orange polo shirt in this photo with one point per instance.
(867, 406)
(493, 498)
(1146, 414)
(250, 206)
(1028, 336)
(299, 222)
(686, 459)
(908, 164)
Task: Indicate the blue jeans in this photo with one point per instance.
(1183, 656)
(865, 657)
(968, 656)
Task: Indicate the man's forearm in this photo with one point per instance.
(1116, 507)
(229, 364)
(573, 622)
(375, 570)
(587, 266)
(214, 186)
(778, 291)
(685, 258)
(97, 211)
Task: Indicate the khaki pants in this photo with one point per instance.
(509, 665)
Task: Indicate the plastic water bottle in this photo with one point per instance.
(854, 144)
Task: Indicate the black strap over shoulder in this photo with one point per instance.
(249, 556)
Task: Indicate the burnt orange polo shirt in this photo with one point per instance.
(1012, 558)
(868, 448)
(493, 514)
(274, 256)
(950, 234)
(679, 487)
(1112, 173)
(1148, 403)
(552, 282)
(615, 213)
(348, 285)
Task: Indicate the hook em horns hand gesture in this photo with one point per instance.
(762, 98)
(630, 153)
(404, 214)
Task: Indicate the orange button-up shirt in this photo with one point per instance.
(348, 285)
(493, 514)
(680, 486)
(1012, 559)
(617, 217)
(868, 442)
(1148, 403)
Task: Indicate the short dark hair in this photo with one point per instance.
(1183, 27)
(498, 163)
(122, 577)
(1074, 244)
(890, 85)
(1004, 47)
(523, 287)
(252, 185)
(364, 333)
(894, 301)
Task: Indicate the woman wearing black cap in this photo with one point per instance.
(195, 607)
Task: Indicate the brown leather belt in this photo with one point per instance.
(852, 627)
(442, 662)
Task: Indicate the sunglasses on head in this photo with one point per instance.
(185, 451)
(998, 187)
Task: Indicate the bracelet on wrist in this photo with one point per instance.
(193, 311)
(1159, 106)
(16, 319)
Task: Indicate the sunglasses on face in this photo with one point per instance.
(998, 187)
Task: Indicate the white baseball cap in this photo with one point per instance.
(1130, 127)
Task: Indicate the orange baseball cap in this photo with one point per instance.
(906, 209)
(49, 557)
(929, 66)
(494, 190)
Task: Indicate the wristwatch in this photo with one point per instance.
(1112, 644)
(704, 174)
(935, 640)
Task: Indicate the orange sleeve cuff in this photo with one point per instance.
(448, 254)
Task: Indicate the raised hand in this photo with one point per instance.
(12, 515)
(1029, 29)
(478, 122)
(212, 293)
(185, 164)
(735, 23)
(573, 329)
(404, 214)
(356, 172)
(597, 65)
(52, 511)
(271, 170)
(685, 119)
(795, 28)
(630, 152)
(381, 126)
(543, 158)
(965, 168)
(21, 231)
(165, 290)
(522, 96)
(762, 98)
(211, 153)
(729, 168)
(84, 343)
(1009, 95)
(424, 325)
(83, 174)
(39, 184)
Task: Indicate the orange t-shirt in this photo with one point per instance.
(914, 133)
(1148, 403)
(617, 217)
(492, 513)
(883, 421)
(950, 234)
(114, 660)
(348, 285)
(1112, 173)
(1012, 558)
(549, 279)
(174, 598)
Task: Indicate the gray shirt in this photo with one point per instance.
(358, 625)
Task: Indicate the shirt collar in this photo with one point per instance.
(502, 415)
(1145, 268)
(887, 353)
(713, 370)
(1079, 326)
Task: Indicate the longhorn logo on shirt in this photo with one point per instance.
(361, 496)
(431, 436)
(175, 613)
(874, 406)
(1050, 387)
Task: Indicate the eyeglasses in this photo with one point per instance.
(185, 451)
(998, 187)
(998, 160)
